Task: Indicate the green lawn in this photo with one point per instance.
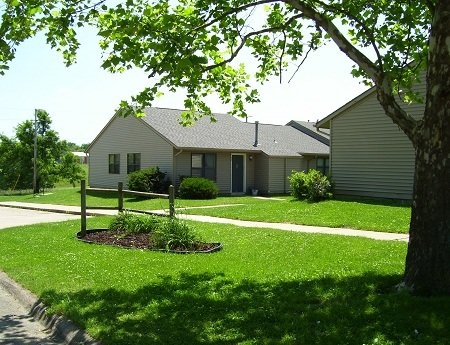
(361, 214)
(263, 287)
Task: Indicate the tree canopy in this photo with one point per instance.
(196, 45)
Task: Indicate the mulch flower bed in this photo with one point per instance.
(140, 241)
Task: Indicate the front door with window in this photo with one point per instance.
(237, 173)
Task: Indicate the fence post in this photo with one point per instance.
(172, 201)
(120, 191)
(83, 207)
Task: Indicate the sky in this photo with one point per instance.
(82, 98)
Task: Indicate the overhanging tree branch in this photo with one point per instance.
(234, 10)
(368, 32)
(249, 35)
(339, 39)
(382, 81)
(310, 49)
(241, 45)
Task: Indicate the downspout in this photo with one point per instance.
(285, 176)
(330, 155)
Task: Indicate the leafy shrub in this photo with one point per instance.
(166, 233)
(313, 185)
(198, 188)
(150, 180)
(299, 189)
(174, 234)
(133, 223)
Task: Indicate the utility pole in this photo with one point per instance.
(35, 191)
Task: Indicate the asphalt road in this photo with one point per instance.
(16, 325)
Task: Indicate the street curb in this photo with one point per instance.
(59, 325)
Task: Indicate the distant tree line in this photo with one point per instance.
(72, 147)
(55, 161)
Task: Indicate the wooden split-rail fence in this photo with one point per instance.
(120, 196)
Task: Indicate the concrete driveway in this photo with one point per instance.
(10, 217)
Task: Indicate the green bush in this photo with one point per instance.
(150, 180)
(198, 188)
(165, 233)
(313, 185)
(174, 234)
(134, 223)
(297, 180)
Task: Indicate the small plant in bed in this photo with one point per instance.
(151, 232)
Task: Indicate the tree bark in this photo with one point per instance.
(427, 269)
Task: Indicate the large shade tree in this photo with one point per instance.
(196, 45)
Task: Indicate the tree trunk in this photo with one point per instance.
(427, 269)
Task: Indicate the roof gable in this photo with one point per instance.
(325, 122)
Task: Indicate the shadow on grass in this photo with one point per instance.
(379, 202)
(211, 309)
(364, 201)
(101, 194)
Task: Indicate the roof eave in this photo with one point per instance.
(325, 122)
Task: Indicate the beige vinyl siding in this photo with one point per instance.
(122, 136)
(370, 155)
(250, 172)
(297, 164)
(279, 170)
(223, 172)
(261, 162)
(182, 165)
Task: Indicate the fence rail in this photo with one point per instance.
(120, 196)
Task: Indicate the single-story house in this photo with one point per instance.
(237, 155)
(370, 156)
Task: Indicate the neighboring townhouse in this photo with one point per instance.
(320, 134)
(237, 155)
(370, 156)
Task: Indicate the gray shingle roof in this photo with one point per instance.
(230, 134)
(312, 130)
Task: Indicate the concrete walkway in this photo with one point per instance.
(384, 236)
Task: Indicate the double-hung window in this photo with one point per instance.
(204, 165)
(323, 165)
(114, 163)
(133, 162)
